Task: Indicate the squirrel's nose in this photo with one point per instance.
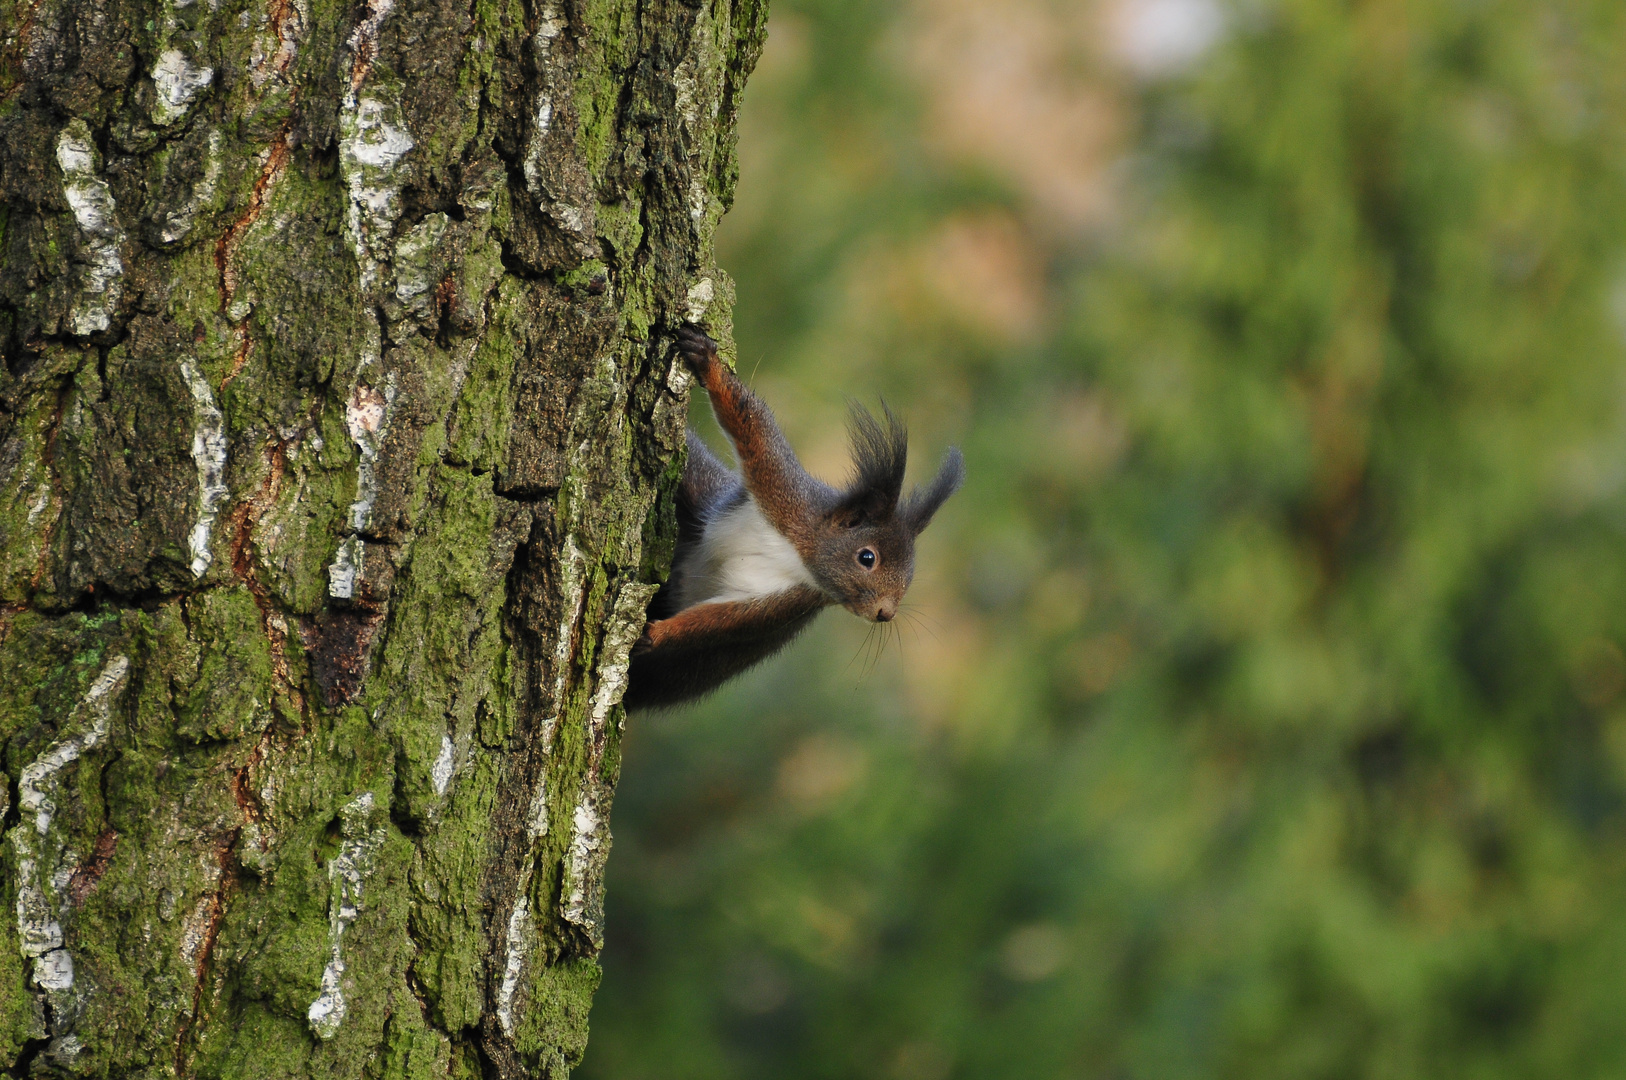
(885, 612)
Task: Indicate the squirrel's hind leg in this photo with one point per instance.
(701, 647)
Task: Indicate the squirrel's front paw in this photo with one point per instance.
(697, 350)
(654, 633)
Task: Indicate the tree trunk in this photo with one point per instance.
(337, 442)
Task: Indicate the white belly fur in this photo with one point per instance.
(739, 557)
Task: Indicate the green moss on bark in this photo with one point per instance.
(320, 561)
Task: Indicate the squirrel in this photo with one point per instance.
(760, 554)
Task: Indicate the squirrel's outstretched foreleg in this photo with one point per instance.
(782, 489)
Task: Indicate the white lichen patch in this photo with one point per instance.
(621, 632)
(372, 145)
(178, 222)
(699, 298)
(698, 199)
(696, 100)
(345, 573)
(44, 864)
(685, 91)
(91, 201)
(195, 929)
(440, 773)
(582, 898)
(521, 926)
(347, 872)
(373, 141)
(589, 844)
(520, 930)
(209, 454)
(374, 138)
(177, 81)
(413, 258)
(536, 819)
(574, 589)
(38, 780)
(366, 418)
(582, 891)
(678, 378)
(54, 971)
(64, 1050)
(328, 1011)
(549, 26)
(41, 500)
(364, 413)
(241, 306)
(556, 195)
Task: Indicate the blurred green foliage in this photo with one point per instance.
(1266, 714)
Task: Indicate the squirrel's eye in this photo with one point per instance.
(866, 558)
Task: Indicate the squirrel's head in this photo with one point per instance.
(866, 546)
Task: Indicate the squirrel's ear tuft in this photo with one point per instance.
(880, 454)
(922, 503)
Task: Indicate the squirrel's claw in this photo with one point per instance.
(698, 350)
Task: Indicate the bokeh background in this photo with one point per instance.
(1261, 713)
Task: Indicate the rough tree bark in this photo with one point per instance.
(337, 440)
